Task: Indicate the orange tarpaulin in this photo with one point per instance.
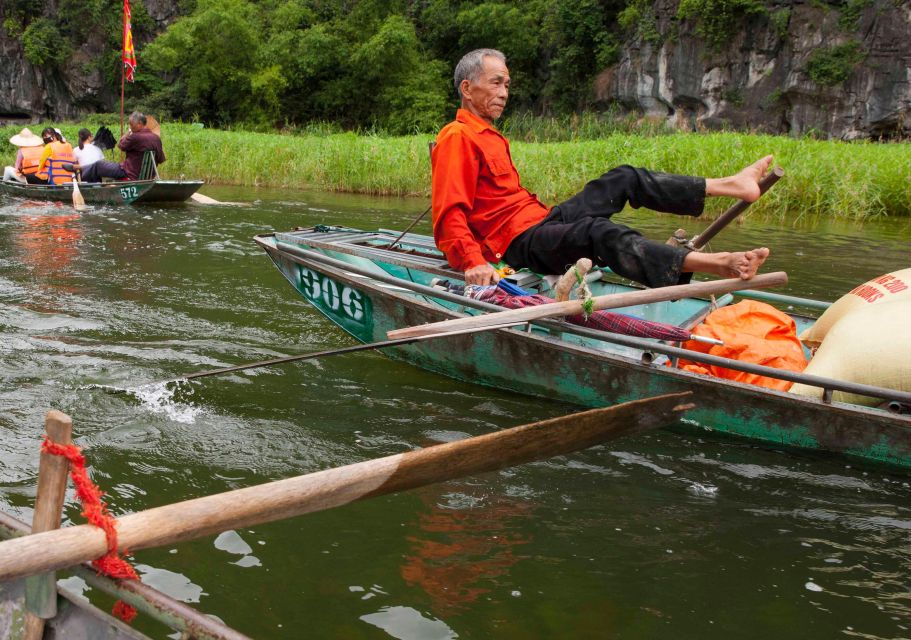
(752, 332)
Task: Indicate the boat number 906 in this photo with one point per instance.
(127, 192)
(332, 296)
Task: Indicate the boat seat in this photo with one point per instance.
(149, 169)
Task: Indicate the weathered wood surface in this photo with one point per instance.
(282, 499)
(41, 590)
(612, 301)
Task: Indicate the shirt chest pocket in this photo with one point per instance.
(499, 165)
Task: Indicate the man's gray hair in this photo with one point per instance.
(138, 116)
(471, 65)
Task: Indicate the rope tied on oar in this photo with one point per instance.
(583, 293)
(112, 564)
(575, 278)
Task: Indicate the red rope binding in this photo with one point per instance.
(96, 512)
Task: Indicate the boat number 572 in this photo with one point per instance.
(332, 296)
(127, 192)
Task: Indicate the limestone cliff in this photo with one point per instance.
(764, 77)
(68, 90)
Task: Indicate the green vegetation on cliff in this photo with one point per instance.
(380, 65)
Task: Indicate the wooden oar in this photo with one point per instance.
(201, 199)
(42, 552)
(313, 355)
(699, 241)
(766, 183)
(78, 200)
(612, 301)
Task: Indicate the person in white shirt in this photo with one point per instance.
(86, 153)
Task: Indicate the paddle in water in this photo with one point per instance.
(78, 200)
(304, 356)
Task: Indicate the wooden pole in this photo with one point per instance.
(41, 590)
(322, 490)
(612, 301)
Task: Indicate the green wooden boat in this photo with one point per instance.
(169, 191)
(120, 192)
(124, 192)
(368, 288)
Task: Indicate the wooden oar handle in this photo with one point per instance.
(611, 301)
(735, 210)
(291, 497)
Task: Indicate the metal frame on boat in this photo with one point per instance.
(367, 290)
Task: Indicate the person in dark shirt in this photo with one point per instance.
(134, 144)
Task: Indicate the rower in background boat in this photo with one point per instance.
(134, 144)
(28, 157)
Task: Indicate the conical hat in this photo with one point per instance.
(26, 138)
(153, 126)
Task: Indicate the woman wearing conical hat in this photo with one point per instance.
(28, 159)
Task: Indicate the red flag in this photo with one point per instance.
(128, 55)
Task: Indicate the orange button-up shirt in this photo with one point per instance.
(478, 204)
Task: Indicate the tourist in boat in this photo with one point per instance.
(56, 154)
(134, 144)
(28, 157)
(482, 214)
(87, 153)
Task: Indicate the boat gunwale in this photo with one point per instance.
(628, 341)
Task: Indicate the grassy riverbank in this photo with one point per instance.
(856, 181)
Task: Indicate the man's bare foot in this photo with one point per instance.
(737, 264)
(743, 184)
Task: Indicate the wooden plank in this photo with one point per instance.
(41, 590)
(611, 301)
(291, 497)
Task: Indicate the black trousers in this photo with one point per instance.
(103, 169)
(31, 178)
(581, 228)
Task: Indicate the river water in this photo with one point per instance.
(667, 535)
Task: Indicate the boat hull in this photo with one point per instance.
(171, 191)
(550, 367)
(121, 192)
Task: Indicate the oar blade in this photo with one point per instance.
(78, 199)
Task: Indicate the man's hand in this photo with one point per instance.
(481, 274)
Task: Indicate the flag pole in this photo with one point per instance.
(123, 33)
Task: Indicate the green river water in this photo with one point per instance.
(669, 535)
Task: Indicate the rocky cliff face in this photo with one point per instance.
(764, 77)
(30, 93)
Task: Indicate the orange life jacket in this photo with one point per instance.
(31, 158)
(60, 152)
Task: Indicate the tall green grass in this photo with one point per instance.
(858, 181)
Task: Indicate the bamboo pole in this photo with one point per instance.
(41, 590)
(611, 301)
(322, 490)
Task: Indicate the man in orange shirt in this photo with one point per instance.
(482, 214)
